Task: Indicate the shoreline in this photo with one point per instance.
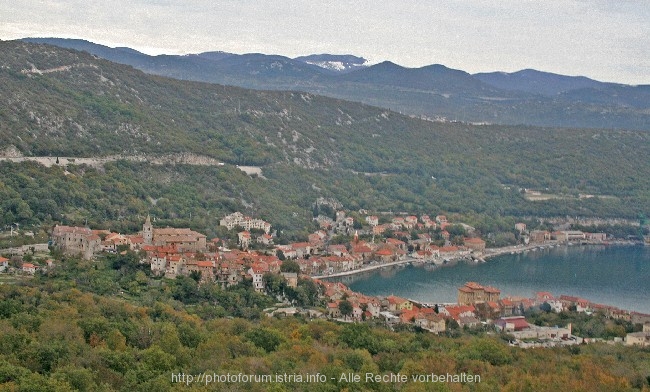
(365, 269)
(482, 258)
(551, 244)
(632, 303)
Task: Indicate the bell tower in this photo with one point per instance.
(147, 231)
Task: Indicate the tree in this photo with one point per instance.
(196, 275)
(345, 307)
(290, 266)
(185, 289)
(274, 283)
(265, 338)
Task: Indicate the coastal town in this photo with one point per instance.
(254, 256)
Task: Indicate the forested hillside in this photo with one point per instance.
(55, 339)
(109, 325)
(60, 102)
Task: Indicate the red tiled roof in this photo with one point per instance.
(395, 300)
(456, 311)
(473, 285)
(519, 322)
(384, 252)
(407, 315)
(493, 304)
(361, 249)
(506, 302)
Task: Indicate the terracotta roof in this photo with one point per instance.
(395, 300)
(175, 231)
(506, 302)
(58, 230)
(493, 304)
(569, 298)
(544, 295)
(456, 311)
(519, 322)
(361, 249)
(473, 285)
(384, 252)
(181, 238)
(407, 315)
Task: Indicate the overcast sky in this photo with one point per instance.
(602, 39)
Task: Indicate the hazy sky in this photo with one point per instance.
(602, 39)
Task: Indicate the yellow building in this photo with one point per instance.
(472, 293)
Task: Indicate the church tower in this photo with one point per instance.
(147, 231)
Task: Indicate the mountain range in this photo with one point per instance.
(62, 102)
(437, 92)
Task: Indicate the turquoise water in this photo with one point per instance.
(612, 275)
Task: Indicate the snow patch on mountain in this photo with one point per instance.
(336, 63)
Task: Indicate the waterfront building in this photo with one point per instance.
(475, 244)
(472, 293)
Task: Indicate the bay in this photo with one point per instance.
(611, 275)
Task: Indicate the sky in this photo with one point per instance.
(601, 39)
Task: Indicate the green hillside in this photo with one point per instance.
(59, 338)
(58, 102)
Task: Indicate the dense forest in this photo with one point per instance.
(108, 326)
(119, 195)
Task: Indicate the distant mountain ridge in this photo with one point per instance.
(68, 103)
(335, 63)
(537, 82)
(525, 97)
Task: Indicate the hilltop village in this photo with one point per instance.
(254, 257)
